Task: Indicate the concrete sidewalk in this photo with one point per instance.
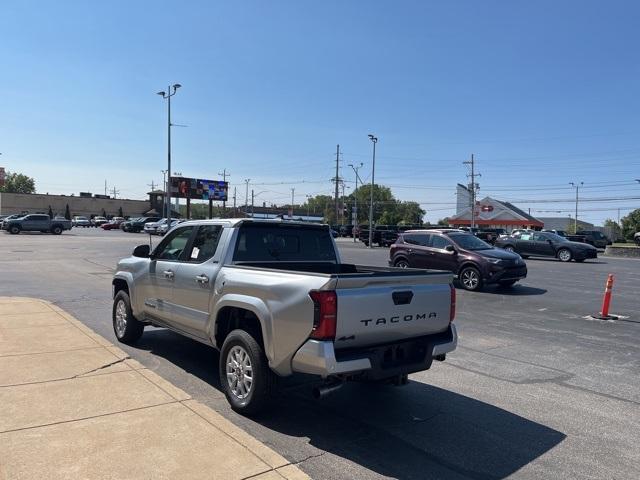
(74, 406)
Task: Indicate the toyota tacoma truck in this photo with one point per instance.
(37, 223)
(275, 299)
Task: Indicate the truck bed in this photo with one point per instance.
(337, 269)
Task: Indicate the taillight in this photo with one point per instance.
(452, 310)
(325, 310)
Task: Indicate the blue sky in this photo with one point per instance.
(543, 93)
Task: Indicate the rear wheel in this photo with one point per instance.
(401, 263)
(14, 230)
(57, 230)
(246, 378)
(564, 255)
(470, 278)
(126, 327)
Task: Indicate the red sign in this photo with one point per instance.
(487, 208)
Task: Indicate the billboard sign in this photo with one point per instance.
(199, 189)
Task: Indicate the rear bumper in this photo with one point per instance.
(318, 357)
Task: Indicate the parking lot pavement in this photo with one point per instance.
(535, 389)
(72, 405)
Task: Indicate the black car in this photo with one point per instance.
(137, 224)
(473, 261)
(547, 244)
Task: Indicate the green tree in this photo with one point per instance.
(67, 213)
(120, 213)
(444, 222)
(631, 224)
(50, 212)
(18, 183)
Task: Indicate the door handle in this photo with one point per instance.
(202, 279)
(168, 274)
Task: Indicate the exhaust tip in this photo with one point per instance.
(322, 391)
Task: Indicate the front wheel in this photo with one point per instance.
(509, 248)
(470, 279)
(14, 230)
(246, 378)
(126, 327)
(401, 263)
(564, 255)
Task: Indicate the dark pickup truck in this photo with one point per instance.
(37, 223)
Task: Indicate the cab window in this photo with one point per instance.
(205, 243)
(172, 246)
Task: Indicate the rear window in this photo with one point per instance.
(266, 243)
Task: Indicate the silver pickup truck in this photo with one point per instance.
(274, 297)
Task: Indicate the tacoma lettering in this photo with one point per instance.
(396, 318)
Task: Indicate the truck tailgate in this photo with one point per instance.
(376, 310)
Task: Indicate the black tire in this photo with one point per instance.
(509, 248)
(401, 263)
(56, 230)
(564, 255)
(263, 380)
(14, 230)
(507, 283)
(132, 329)
(470, 279)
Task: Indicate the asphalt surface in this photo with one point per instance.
(536, 389)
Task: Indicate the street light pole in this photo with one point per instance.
(164, 185)
(167, 96)
(577, 187)
(354, 215)
(374, 140)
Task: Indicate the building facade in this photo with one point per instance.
(492, 213)
(11, 203)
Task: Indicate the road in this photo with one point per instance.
(536, 389)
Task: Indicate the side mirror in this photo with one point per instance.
(142, 251)
(450, 248)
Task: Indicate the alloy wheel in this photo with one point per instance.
(121, 318)
(470, 279)
(239, 372)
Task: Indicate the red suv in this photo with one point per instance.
(473, 261)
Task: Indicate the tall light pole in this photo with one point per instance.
(171, 91)
(246, 195)
(374, 140)
(354, 215)
(577, 187)
(164, 185)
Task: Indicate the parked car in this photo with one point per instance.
(383, 235)
(137, 224)
(112, 224)
(474, 262)
(269, 296)
(98, 221)
(490, 235)
(80, 221)
(595, 238)
(547, 244)
(37, 223)
(164, 228)
(10, 217)
(346, 231)
(636, 238)
(152, 227)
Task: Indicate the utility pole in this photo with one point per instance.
(293, 194)
(354, 215)
(165, 214)
(473, 187)
(224, 179)
(246, 194)
(105, 188)
(337, 180)
(235, 212)
(152, 185)
(252, 197)
(167, 96)
(115, 192)
(577, 187)
(374, 140)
